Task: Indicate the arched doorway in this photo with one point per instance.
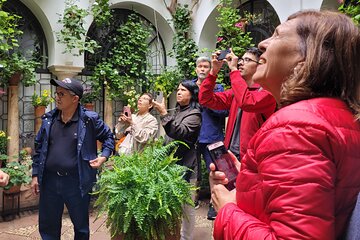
(104, 36)
(32, 43)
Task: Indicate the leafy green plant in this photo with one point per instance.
(73, 33)
(144, 192)
(44, 99)
(8, 29)
(3, 142)
(11, 60)
(167, 81)
(125, 69)
(352, 9)
(184, 47)
(89, 96)
(232, 29)
(101, 12)
(19, 173)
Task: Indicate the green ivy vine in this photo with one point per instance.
(124, 72)
(184, 47)
(11, 59)
(101, 12)
(73, 33)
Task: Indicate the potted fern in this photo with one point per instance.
(143, 193)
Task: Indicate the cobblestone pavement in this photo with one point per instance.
(25, 226)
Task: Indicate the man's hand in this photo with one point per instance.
(232, 61)
(97, 162)
(35, 185)
(4, 179)
(215, 63)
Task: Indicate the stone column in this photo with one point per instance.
(65, 71)
(108, 109)
(13, 116)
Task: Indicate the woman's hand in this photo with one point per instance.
(126, 119)
(220, 196)
(218, 177)
(217, 180)
(160, 107)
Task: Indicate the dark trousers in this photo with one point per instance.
(205, 153)
(56, 191)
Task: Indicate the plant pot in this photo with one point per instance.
(15, 79)
(13, 189)
(175, 236)
(39, 111)
(89, 106)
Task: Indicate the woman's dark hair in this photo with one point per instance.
(330, 46)
(194, 90)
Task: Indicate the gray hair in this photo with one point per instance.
(203, 59)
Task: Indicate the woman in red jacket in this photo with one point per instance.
(300, 176)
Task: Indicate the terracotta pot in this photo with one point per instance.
(89, 106)
(39, 111)
(15, 79)
(168, 236)
(13, 189)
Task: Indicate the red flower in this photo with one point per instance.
(219, 39)
(239, 25)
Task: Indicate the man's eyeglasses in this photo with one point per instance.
(61, 94)
(247, 60)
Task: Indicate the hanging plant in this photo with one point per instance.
(125, 70)
(184, 47)
(73, 33)
(11, 60)
(101, 12)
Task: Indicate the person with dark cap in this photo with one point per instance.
(65, 162)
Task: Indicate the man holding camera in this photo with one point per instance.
(248, 104)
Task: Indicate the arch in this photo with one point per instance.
(104, 37)
(152, 10)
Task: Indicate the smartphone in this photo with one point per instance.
(159, 97)
(223, 54)
(223, 162)
(127, 111)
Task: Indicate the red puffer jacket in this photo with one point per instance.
(300, 176)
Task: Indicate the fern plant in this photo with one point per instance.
(143, 193)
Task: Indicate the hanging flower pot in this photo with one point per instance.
(39, 111)
(89, 106)
(13, 189)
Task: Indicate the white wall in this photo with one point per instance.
(204, 24)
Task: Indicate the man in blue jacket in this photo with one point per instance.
(213, 121)
(65, 162)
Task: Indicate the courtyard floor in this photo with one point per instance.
(25, 226)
